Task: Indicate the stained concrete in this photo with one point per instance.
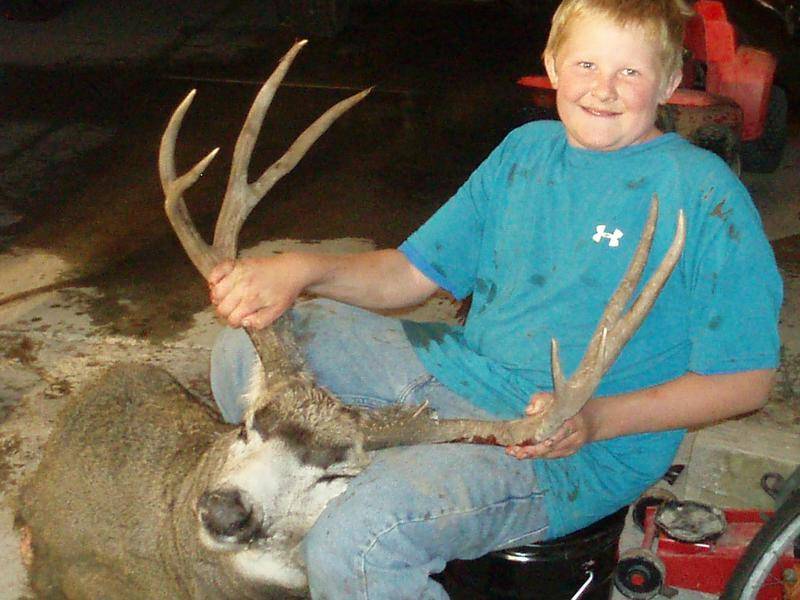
(90, 272)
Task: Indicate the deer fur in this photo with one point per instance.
(116, 507)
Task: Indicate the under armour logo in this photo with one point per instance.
(613, 238)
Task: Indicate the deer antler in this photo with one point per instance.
(613, 331)
(240, 196)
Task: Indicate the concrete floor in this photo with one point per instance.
(90, 272)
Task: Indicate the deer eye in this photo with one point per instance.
(243, 433)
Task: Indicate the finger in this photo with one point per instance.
(560, 453)
(534, 451)
(229, 303)
(517, 452)
(261, 318)
(568, 428)
(539, 404)
(220, 271)
(569, 443)
(223, 287)
(566, 447)
(244, 310)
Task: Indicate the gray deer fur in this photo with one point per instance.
(117, 507)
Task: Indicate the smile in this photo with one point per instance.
(600, 113)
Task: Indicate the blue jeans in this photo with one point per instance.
(414, 508)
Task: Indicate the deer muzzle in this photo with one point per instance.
(229, 516)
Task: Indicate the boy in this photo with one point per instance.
(540, 235)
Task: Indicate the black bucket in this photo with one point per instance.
(552, 570)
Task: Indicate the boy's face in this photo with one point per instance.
(608, 82)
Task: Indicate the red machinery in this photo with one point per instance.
(726, 102)
(663, 562)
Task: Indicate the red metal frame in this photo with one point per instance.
(742, 73)
(706, 567)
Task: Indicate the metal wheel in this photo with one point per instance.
(639, 574)
(763, 155)
(722, 141)
(779, 533)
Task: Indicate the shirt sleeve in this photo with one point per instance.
(736, 289)
(447, 247)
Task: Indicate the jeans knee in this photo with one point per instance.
(232, 359)
(332, 555)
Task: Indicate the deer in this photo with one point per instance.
(143, 492)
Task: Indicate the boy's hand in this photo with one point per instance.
(253, 292)
(567, 439)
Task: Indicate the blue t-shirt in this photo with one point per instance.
(541, 234)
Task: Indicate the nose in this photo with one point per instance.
(604, 87)
(225, 513)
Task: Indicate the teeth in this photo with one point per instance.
(598, 112)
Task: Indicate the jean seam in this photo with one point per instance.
(413, 386)
(364, 400)
(450, 513)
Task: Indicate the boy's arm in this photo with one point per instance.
(691, 400)
(256, 291)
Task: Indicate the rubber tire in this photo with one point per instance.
(315, 18)
(653, 577)
(763, 155)
(785, 519)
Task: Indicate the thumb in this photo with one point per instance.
(539, 403)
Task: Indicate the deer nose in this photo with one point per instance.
(225, 513)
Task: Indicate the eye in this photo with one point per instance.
(630, 72)
(585, 64)
(243, 433)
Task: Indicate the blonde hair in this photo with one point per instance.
(662, 20)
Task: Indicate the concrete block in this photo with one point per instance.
(728, 460)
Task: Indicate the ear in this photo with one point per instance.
(671, 85)
(550, 67)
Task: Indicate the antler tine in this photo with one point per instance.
(626, 326)
(614, 328)
(597, 343)
(241, 197)
(303, 142)
(201, 254)
(239, 200)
